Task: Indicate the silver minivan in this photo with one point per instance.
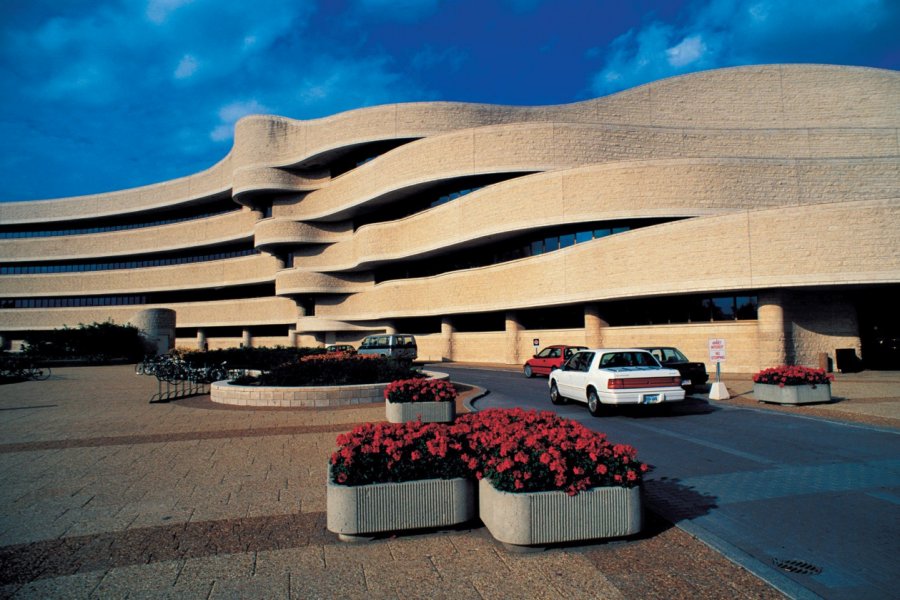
(398, 345)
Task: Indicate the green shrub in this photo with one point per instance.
(97, 342)
(257, 359)
(333, 369)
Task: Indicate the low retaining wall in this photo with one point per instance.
(302, 397)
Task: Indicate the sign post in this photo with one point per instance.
(536, 342)
(718, 391)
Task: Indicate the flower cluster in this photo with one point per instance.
(516, 450)
(420, 390)
(786, 375)
(527, 451)
(395, 452)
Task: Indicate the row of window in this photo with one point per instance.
(14, 233)
(34, 269)
(453, 196)
(622, 313)
(263, 290)
(520, 247)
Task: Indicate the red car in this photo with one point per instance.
(551, 357)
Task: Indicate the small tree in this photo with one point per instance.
(97, 342)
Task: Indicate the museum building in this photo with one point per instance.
(758, 205)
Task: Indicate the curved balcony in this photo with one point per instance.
(250, 182)
(270, 233)
(675, 188)
(317, 325)
(545, 147)
(149, 240)
(222, 313)
(219, 273)
(742, 98)
(295, 282)
(748, 250)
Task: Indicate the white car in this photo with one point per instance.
(599, 376)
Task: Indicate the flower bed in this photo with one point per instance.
(333, 368)
(792, 385)
(515, 452)
(428, 400)
(787, 375)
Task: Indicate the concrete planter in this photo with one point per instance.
(549, 517)
(792, 394)
(429, 412)
(355, 511)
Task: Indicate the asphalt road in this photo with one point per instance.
(810, 505)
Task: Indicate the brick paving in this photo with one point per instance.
(106, 495)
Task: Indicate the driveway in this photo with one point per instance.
(811, 504)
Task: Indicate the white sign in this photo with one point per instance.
(717, 350)
(536, 342)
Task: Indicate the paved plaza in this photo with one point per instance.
(106, 495)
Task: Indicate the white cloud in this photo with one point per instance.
(159, 10)
(186, 67)
(719, 33)
(689, 50)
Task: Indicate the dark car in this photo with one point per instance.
(345, 348)
(693, 374)
(551, 357)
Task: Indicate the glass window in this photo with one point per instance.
(583, 236)
(599, 233)
(567, 240)
(551, 244)
(746, 307)
(723, 308)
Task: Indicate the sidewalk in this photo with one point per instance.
(105, 495)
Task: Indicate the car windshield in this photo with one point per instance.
(627, 359)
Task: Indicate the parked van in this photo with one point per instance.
(398, 345)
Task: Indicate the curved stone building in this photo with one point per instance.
(757, 205)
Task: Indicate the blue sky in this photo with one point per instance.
(101, 95)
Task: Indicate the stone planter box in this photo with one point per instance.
(355, 512)
(224, 392)
(792, 394)
(536, 518)
(429, 412)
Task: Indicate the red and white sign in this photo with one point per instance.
(717, 350)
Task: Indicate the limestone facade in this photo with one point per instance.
(765, 196)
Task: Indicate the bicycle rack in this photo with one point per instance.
(175, 390)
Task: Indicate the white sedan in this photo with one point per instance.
(601, 376)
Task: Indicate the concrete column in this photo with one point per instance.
(772, 329)
(3, 342)
(202, 343)
(594, 325)
(292, 337)
(447, 331)
(246, 340)
(301, 310)
(513, 330)
(158, 327)
(390, 328)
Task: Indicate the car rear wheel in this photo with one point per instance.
(594, 405)
(528, 371)
(555, 398)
